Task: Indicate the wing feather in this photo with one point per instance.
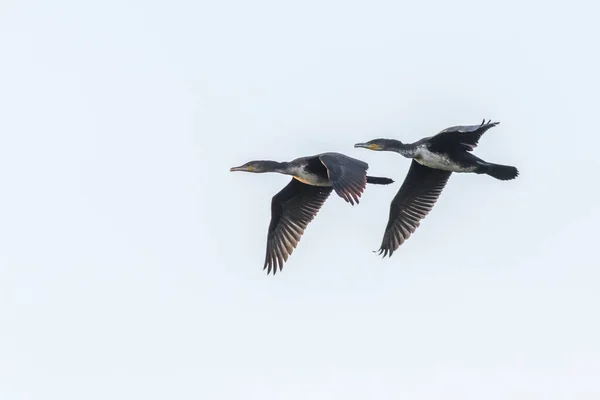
(292, 209)
(415, 199)
(464, 138)
(347, 175)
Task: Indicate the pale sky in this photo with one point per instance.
(131, 258)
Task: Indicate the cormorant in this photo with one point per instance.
(295, 206)
(434, 160)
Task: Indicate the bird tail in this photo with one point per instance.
(502, 172)
(379, 181)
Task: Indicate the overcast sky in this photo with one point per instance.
(131, 258)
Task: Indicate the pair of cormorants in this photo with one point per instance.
(313, 178)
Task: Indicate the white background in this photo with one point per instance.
(131, 258)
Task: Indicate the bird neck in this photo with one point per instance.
(275, 166)
(407, 150)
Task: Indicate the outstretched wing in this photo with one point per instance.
(464, 138)
(415, 199)
(347, 175)
(292, 209)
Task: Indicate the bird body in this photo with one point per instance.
(296, 205)
(424, 156)
(434, 158)
(309, 170)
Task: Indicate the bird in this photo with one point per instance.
(434, 159)
(296, 205)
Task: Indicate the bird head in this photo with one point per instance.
(257, 166)
(380, 145)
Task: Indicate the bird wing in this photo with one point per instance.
(347, 175)
(415, 199)
(464, 138)
(292, 209)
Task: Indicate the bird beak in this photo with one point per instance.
(245, 168)
(367, 146)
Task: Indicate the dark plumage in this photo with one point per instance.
(296, 205)
(433, 161)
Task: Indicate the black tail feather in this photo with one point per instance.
(378, 180)
(502, 172)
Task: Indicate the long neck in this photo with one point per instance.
(274, 166)
(407, 150)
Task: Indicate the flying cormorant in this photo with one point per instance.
(434, 160)
(295, 206)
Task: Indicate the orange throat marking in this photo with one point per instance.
(302, 180)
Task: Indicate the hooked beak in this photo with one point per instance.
(245, 168)
(371, 146)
